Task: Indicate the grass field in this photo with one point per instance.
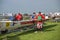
(51, 31)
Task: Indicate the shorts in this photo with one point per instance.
(39, 25)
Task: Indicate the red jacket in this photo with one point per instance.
(43, 17)
(18, 17)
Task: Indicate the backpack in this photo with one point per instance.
(39, 18)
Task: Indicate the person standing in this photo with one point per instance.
(34, 14)
(19, 17)
(40, 18)
(11, 17)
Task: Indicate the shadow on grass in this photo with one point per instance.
(48, 27)
(32, 31)
(45, 29)
(12, 38)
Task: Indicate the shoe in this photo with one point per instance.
(40, 29)
(35, 32)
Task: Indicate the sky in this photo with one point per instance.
(29, 6)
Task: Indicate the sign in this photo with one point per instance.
(7, 24)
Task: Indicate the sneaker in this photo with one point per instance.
(40, 29)
(35, 32)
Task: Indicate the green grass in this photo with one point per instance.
(51, 31)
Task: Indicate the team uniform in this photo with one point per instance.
(40, 18)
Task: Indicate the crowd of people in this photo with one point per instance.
(36, 18)
(16, 17)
